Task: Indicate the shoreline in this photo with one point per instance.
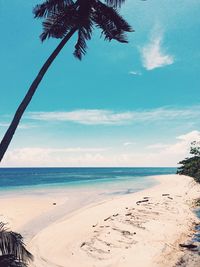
(144, 229)
(49, 204)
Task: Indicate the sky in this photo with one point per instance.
(123, 105)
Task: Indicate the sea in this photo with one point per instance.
(34, 178)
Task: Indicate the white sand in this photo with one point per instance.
(115, 233)
(17, 211)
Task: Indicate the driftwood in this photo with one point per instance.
(141, 201)
(188, 246)
(107, 218)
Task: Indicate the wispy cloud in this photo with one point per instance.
(3, 124)
(154, 54)
(21, 126)
(157, 146)
(135, 72)
(180, 147)
(189, 137)
(39, 156)
(109, 117)
(86, 116)
(128, 144)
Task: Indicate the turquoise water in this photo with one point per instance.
(16, 178)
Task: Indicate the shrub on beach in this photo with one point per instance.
(191, 166)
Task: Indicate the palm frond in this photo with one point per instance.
(10, 261)
(121, 37)
(84, 23)
(114, 3)
(11, 243)
(80, 47)
(53, 27)
(50, 6)
(112, 24)
(58, 24)
(84, 34)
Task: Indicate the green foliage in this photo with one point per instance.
(195, 148)
(191, 166)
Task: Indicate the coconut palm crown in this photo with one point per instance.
(62, 16)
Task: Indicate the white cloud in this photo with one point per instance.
(21, 125)
(153, 155)
(191, 136)
(154, 54)
(182, 146)
(87, 116)
(157, 146)
(157, 155)
(129, 143)
(164, 155)
(109, 117)
(137, 73)
(178, 150)
(3, 124)
(39, 156)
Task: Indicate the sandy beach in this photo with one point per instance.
(143, 229)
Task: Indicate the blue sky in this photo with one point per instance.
(133, 104)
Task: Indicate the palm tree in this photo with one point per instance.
(63, 18)
(12, 249)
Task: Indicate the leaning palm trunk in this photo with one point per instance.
(22, 107)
